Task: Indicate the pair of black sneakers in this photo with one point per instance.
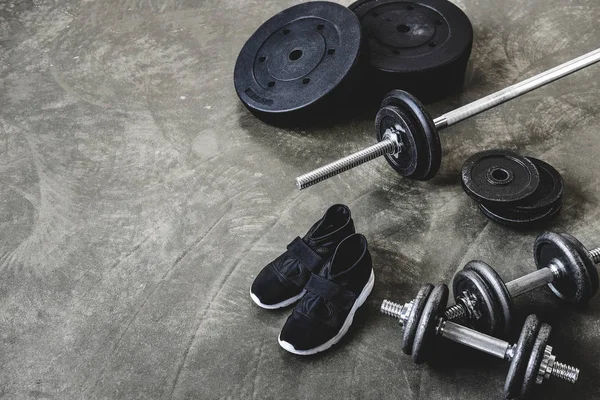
(329, 271)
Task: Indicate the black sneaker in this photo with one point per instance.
(325, 313)
(282, 281)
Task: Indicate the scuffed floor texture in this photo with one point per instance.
(139, 199)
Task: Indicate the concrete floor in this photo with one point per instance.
(138, 200)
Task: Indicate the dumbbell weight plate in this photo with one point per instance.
(470, 281)
(499, 176)
(576, 286)
(549, 192)
(421, 155)
(425, 336)
(518, 364)
(498, 292)
(298, 61)
(421, 46)
(410, 328)
(535, 359)
(590, 266)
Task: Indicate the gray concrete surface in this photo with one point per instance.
(138, 200)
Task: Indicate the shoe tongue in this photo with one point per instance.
(326, 233)
(349, 253)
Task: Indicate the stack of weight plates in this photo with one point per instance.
(319, 59)
(513, 190)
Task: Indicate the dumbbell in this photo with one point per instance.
(531, 359)
(408, 136)
(484, 301)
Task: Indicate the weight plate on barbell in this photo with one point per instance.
(421, 46)
(421, 154)
(499, 176)
(298, 61)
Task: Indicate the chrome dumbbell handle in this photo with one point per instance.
(553, 272)
(485, 343)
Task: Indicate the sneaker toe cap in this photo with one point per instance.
(272, 289)
(304, 332)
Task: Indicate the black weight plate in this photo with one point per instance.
(410, 328)
(576, 286)
(420, 138)
(535, 359)
(590, 266)
(435, 306)
(498, 291)
(470, 281)
(298, 60)
(512, 218)
(406, 162)
(518, 364)
(421, 46)
(499, 176)
(549, 191)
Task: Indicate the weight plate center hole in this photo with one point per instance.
(295, 55)
(499, 176)
(403, 28)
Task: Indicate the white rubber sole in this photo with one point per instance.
(347, 323)
(284, 303)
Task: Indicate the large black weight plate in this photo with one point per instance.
(410, 328)
(535, 359)
(518, 364)
(421, 46)
(435, 306)
(519, 219)
(421, 155)
(499, 176)
(590, 266)
(576, 286)
(470, 281)
(298, 61)
(498, 292)
(550, 190)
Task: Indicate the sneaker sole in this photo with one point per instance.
(347, 323)
(284, 303)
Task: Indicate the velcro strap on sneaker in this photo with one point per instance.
(305, 254)
(336, 294)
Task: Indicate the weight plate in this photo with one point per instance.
(518, 219)
(421, 154)
(549, 191)
(576, 286)
(498, 292)
(499, 176)
(435, 306)
(470, 281)
(518, 364)
(298, 60)
(421, 46)
(410, 328)
(590, 266)
(535, 359)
